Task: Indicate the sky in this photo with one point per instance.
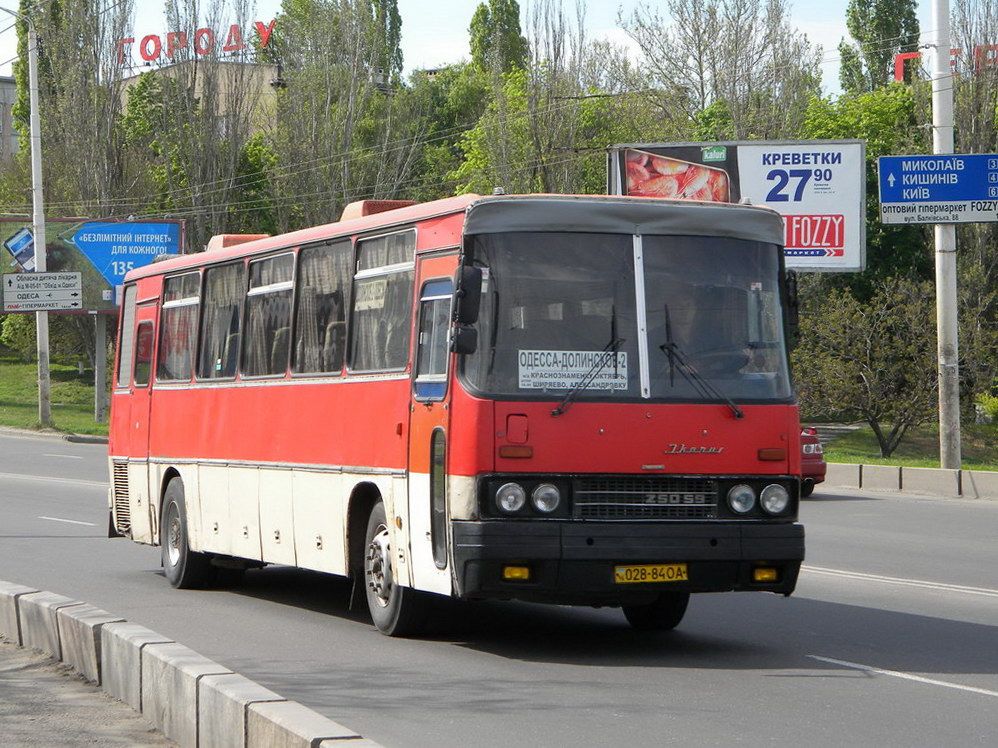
(435, 32)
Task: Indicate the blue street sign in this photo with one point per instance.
(116, 248)
(951, 188)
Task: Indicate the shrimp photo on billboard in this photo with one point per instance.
(651, 175)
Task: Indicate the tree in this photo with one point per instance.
(874, 360)
(742, 55)
(888, 120)
(881, 29)
(340, 132)
(80, 96)
(496, 41)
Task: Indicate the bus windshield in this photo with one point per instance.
(560, 313)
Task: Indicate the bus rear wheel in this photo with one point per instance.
(662, 614)
(184, 568)
(395, 610)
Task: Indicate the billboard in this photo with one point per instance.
(101, 251)
(818, 187)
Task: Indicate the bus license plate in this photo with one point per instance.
(650, 573)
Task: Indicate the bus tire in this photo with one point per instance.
(395, 610)
(184, 568)
(663, 614)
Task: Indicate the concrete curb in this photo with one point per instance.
(954, 484)
(191, 699)
(60, 435)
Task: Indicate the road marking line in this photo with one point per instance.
(983, 591)
(22, 476)
(68, 457)
(906, 676)
(70, 521)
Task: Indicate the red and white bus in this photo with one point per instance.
(566, 399)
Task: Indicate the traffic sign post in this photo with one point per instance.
(949, 188)
(42, 292)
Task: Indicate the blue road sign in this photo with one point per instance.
(951, 188)
(116, 248)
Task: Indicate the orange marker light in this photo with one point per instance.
(516, 452)
(765, 574)
(516, 573)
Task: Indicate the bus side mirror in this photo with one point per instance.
(464, 340)
(468, 296)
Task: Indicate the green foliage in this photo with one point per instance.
(448, 102)
(17, 332)
(67, 343)
(886, 120)
(875, 360)
(713, 123)
(496, 41)
(988, 405)
(881, 29)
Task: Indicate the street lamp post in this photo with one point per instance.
(38, 219)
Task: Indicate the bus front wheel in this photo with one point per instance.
(395, 610)
(183, 568)
(663, 614)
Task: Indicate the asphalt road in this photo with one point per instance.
(890, 640)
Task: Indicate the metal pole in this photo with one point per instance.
(946, 308)
(38, 220)
(100, 368)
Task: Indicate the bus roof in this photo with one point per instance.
(538, 212)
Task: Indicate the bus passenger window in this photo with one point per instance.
(382, 303)
(220, 324)
(324, 274)
(268, 316)
(143, 354)
(178, 327)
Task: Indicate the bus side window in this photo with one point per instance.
(324, 274)
(224, 288)
(178, 329)
(382, 303)
(143, 354)
(268, 316)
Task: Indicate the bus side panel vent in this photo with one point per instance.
(123, 518)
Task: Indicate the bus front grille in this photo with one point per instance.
(664, 497)
(122, 515)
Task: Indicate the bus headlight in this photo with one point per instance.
(741, 498)
(511, 498)
(545, 498)
(774, 498)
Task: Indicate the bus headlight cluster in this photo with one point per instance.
(545, 498)
(741, 498)
(511, 498)
(774, 498)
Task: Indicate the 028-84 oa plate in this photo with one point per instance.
(650, 573)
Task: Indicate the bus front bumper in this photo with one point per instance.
(574, 563)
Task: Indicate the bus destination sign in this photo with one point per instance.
(948, 188)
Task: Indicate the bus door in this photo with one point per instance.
(141, 501)
(428, 428)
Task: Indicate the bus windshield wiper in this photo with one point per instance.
(678, 360)
(601, 362)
